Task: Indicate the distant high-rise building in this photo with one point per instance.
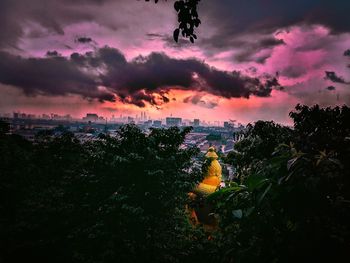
(46, 116)
(142, 116)
(173, 121)
(228, 125)
(148, 122)
(196, 122)
(157, 123)
(91, 117)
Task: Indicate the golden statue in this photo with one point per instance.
(212, 179)
(202, 212)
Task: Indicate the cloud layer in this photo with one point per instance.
(245, 49)
(106, 75)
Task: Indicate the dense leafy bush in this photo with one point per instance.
(115, 199)
(291, 201)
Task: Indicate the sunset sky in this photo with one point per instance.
(252, 60)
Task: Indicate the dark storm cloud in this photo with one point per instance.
(158, 72)
(154, 36)
(236, 17)
(53, 53)
(233, 19)
(269, 42)
(48, 76)
(229, 17)
(252, 48)
(198, 100)
(332, 76)
(330, 88)
(293, 71)
(50, 14)
(314, 42)
(144, 79)
(103, 57)
(84, 40)
(168, 41)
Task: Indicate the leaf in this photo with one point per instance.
(264, 194)
(237, 213)
(255, 181)
(291, 162)
(249, 210)
(176, 34)
(224, 192)
(335, 161)
(177, 6)
(192, 39)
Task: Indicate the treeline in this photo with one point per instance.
(123, 199)
(106, 201)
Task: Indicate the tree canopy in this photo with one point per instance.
(123, 198)
(290, 201)
(114, 199)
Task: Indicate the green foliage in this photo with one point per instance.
(321, 129)
(259, 143)
(123, 198)
(292, 203)
(115, 199)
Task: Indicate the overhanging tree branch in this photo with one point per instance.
(187, 17)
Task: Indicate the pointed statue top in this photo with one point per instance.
(211, 153)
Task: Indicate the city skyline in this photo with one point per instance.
(141, 118)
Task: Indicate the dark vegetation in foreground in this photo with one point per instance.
(122, 200)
